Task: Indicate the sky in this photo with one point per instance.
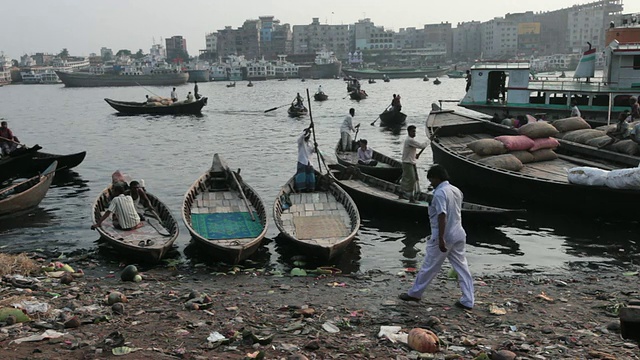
(84, 26)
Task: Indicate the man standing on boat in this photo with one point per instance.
(466, 89)
(409, 169)
(447, 241)
(346, 129)
(305, 179)
(575, 112)
(174, 95)
(195, 90)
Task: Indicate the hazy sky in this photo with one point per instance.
(84, 26)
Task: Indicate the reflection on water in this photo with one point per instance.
(348, 261)
(170, 152)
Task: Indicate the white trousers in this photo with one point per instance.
(345, 138)
(433, 263)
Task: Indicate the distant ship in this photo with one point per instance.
(325, 66)
(396, 73)
(153, 77)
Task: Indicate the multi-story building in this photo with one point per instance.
(435, 34)
(467, 40)
(315, 37)
(226, 41)
(499, 38)
(275, 38)
(106, 53)
(586, 23)
(176, 48)
(211, 43)
(248, 39)
(367, 36)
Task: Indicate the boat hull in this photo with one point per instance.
(199, 75)
(392, 118)
(295, 112)
(133, 108)
(320, 97)
(30, 198)
(323, 71)
(79, 79)
(395, 73)
(388, 169)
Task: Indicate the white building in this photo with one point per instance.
(211, 42)
(309, 39)
(27, 61)
(499, 38)
(367, 36)
(467, 40)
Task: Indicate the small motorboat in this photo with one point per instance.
(437, 81)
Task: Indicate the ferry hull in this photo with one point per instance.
(199, 75)
(93, 80)
(325, 71)
(395, 73)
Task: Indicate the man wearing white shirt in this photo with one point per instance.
(409, 157)
(365, 154)
(174, 95)
(305, 179)
(346, 129)
(447, 240)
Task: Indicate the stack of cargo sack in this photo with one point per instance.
(534, 144)
(577, 130)
(625, 179)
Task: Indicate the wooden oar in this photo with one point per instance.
(11, 140)
(315, 143)
(276, 108)
(246, 202)
(351, 92)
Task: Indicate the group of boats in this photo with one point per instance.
(26, 174)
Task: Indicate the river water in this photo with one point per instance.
(169, 153)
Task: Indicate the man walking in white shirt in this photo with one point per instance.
(346, 129)
(409, 170)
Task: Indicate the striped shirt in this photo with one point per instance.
(125, 211)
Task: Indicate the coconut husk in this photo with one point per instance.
(18, 264)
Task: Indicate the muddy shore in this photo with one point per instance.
(202, 313)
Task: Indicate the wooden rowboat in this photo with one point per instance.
(320, 96)
(381, 197)
(320, 223)
(392, 118)
(388, 169)
(11, 165)
(296, 111)
(33, 162)
(139, 108)
(224, 213)
(358, 95)
(149, 243)
(26, 195)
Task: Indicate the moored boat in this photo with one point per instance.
(157, 78)
(320, 96)
(392, 118)
(25, 195)
(225, 214)
(177, 108)
(12, 165)
(320, 223)
(456, 74)
(538, 184)
(387, 168)
(150, 242)
(39, 161)
(380, 197)
(295, 111)
(396, 73)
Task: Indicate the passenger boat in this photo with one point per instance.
(23, 196)
(177, 108)
(507, 89)
(225, 214)
(295, 111)
(392, 118)
(379, 197)
(149, 243)
(396, 73)
(153, 78)
(541, 184)
(358, 95)
(320, 96)
(325, 66)
(320, 223)
(388, 169)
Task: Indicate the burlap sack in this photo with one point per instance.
(539, 129)
(487, 147)
(625, 147)
(523, 156)
(476, 157)
(569, 124)
(583, 135)
(544, 143)
(505, 161)
(544, 155)
(599, 141)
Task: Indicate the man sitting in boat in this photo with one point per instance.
(365, 154)
(140, 199)
(8, 142)
(298, 101)
(574, 109)
(635, 108)
(189, 97)
(621, 132)
(320, 89)
(125, 216)
(305, 179)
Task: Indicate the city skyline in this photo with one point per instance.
(51, 26)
